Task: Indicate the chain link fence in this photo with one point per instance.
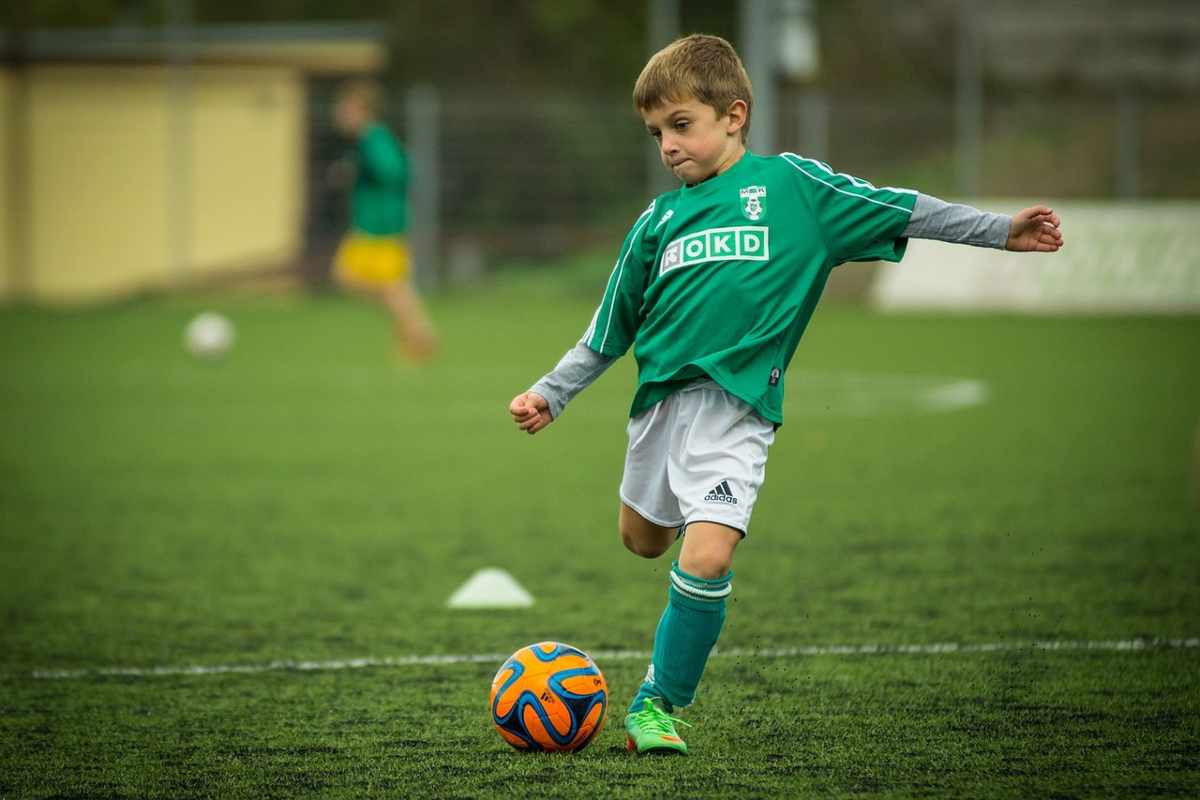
(539, 177)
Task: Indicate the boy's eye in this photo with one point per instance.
(681, 125)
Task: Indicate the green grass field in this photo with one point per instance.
(309, 499)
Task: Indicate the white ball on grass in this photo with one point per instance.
(208, 335)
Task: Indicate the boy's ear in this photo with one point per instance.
(736, 116)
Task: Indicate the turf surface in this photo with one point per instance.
(308, 498)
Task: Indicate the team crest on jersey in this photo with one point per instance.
(752, 202)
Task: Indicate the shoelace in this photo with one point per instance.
(655, 719)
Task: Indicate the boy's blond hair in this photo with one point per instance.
(701, 67)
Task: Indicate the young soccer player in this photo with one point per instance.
(373, 257)
(713, 287)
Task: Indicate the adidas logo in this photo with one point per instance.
(721, 493)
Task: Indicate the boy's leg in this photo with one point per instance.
(649, 514)
(695, 613)
(643, 537)
(716, 467)
(377, 267)
(699, 583)
(413, 328)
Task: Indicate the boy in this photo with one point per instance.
(713, 287)
(373, 257)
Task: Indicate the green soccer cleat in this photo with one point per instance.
(652, 730)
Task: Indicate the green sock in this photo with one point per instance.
(686, 633)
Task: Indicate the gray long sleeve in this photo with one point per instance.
(574, 372)
(950, 222)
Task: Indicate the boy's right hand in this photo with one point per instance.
(1035, 230)
(530, 411)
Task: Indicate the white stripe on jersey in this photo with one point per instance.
(618, 271)
(591, 328)
(858, 182)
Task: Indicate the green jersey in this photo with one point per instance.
(720, 279)
(379, 205)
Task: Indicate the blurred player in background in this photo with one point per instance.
(713, 288)
(373, 256)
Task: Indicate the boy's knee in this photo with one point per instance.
(641, 545)
(707, 564)
(708, 550)
(642, 538)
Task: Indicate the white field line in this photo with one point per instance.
(288, 665)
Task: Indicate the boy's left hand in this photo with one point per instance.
(1035, 230)
(530, 411)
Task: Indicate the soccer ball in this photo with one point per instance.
(208, 335)
(549, 696)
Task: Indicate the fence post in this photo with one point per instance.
(758, 47)
(1128, 144)
(180, 140)
(968, 99)
(422, 127)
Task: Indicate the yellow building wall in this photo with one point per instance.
(247, 168)
(6, 205)
(135, 183)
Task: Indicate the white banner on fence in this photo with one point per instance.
(1127, 257)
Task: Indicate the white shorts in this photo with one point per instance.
(699, 455)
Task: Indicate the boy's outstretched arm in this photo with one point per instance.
(1034, 229)
(546, 399)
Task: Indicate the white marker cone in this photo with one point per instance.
(490, 588)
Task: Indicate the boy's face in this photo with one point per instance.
(693, 142)
(350, 115)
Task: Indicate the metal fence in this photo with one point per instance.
(502, 179)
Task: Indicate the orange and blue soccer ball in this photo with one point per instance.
(550, 697)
